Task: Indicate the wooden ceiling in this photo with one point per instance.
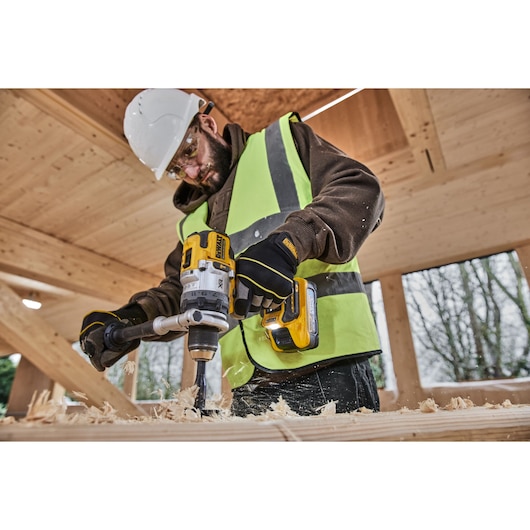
(83, 224)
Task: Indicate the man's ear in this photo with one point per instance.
(208, 123)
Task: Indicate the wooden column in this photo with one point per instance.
(404, 361)
(28, 379)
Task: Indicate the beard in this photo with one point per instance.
(218, 168)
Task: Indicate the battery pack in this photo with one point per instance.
(293, 326)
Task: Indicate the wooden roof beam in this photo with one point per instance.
(31, 254)
(76, 109)
(414, 111)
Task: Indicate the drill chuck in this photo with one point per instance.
(202, 342)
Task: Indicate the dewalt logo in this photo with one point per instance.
(288, 244)
(220, 248)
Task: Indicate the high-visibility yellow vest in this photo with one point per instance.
(270, 183)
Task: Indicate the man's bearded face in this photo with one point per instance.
(202, 161)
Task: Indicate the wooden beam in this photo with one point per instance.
(40, 257)
(404, 361)
(484, 213)
(95, 114)
(365, 126)
(78, 110)
(414, 111)
(55, 357)
(470, 424)
(6, 349)
(516, 391)
(86, 112)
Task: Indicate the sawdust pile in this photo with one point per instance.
(181, 409)
(43, 410)
(456, 403)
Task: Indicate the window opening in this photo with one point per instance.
(470, 321)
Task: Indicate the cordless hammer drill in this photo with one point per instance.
(207, 275)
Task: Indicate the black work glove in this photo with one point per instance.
(92, 333)
(264, 275)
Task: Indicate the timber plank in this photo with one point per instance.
(472, 424)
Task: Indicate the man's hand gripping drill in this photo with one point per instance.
(208, 277)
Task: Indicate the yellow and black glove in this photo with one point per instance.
(92, 335)
(265, 274)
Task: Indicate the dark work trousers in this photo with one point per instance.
(350, 383)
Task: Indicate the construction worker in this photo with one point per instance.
(292, 205)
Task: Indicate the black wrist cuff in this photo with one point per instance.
(132, 312)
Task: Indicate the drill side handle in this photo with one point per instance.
(119, 334)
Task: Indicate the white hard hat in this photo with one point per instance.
(155, 123)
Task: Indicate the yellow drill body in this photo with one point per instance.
(207, 276)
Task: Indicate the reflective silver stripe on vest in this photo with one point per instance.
(330, 283)
(284, 188)
(280, 170)
(241, 240)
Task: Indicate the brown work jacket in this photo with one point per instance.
(347, 206)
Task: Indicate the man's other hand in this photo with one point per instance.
(265, 274)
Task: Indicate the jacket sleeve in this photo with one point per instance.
(348, 202)
(164, 300)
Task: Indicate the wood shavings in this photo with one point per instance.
(106, 414)
(492, 406)
(429, 405)
(364, 410)
(181, 409)
(505, 404)
(279, 410)
(44, 410)
(459, 403)
(80, 395)
(129, 367)
(329, 409)
(8, 420)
